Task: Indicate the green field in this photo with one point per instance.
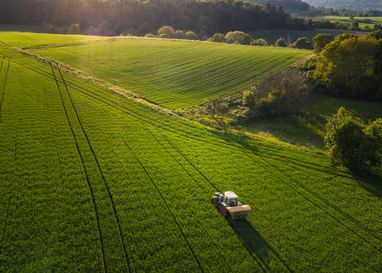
(95, 182)
(174, 74)
(364, 22)
(308, 127)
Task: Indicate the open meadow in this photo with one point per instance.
(92, 181)
(174, 74)
(364, 22)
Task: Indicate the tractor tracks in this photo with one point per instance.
(4, 86)
(85, 171)
(295, 186)
(102, 176)
(166, 205)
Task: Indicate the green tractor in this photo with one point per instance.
(229, 206)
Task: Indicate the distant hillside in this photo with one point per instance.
(293, 6)
(348, 4)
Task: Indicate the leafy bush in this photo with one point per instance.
(302, 43)
(259, 42)
(179, 34)
(249, 99)
(352, 144)
(281, 94)
(238, 37)
(281, 42)
(218, 38)
(376, 34)
(351, 65)
(167, 31)
(321, 40)
(190, 35)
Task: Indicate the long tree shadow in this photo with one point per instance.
(256, 245)
(371, 182)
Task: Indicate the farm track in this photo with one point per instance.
(86, 174)
(109, 194)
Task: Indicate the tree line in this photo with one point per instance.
(140, 17)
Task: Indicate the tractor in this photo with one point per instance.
(229, 206)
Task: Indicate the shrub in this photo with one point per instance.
(259, 42)
(376, 34)
(352, 144)
(238, 37)
(168, 31)
(249, 99)
(351, 66)
(217, 37)
(281, 42)
(179, 34)
(190, 35)
(303, 43)
(320, 41)
(150, 35)
(280, 95)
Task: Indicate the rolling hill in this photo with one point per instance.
(174, 74)
(96, 182)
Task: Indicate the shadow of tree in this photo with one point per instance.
(370, 181)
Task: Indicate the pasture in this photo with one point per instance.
(174, 74)
(95, 182)
(364, 22)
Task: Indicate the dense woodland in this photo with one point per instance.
(119, 16)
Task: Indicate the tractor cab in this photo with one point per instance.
(231, 199)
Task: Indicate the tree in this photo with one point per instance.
(321, 40)
(303, 43)
(281, 42)
(217, 38)
(238, 37)
(167, 31)
(249, 98)
(348, 66)
(376, 34)
(259, 42)
(190, 35)
(352, 144)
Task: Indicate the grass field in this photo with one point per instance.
(369, 22)
(94, 182)
(308, 127)
(174, 74)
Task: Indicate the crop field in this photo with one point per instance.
(369, 22)
(174, 74)
(95, 182)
